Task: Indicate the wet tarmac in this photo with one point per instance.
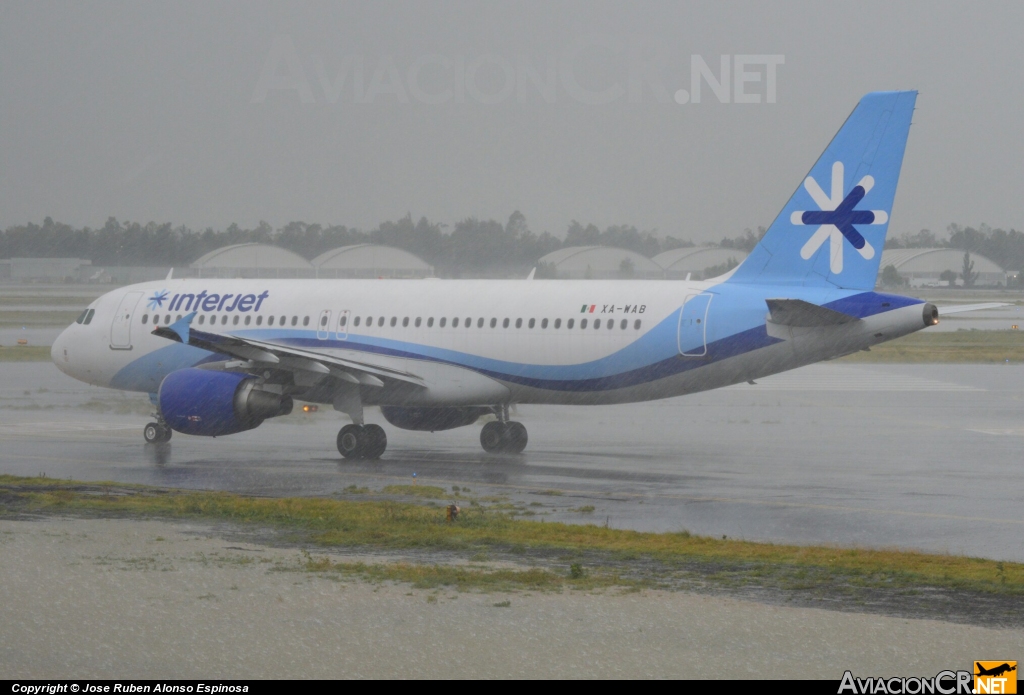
(926, 457)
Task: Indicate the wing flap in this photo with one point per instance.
(360, 371)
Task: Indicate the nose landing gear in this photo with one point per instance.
(362, 441)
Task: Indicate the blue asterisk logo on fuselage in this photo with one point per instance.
(157, 300)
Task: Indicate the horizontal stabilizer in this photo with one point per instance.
(960, 308)
(797, 312)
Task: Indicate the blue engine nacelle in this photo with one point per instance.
(432, 419)
(208, 403)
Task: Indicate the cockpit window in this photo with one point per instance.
(81, 317)
(88, 316)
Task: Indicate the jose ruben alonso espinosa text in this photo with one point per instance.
(54, 688)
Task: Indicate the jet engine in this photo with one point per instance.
(432, 419)
(211, 404)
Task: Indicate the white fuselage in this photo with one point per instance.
(482, 342)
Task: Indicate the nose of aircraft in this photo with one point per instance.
(59, 351)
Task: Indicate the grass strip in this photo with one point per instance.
(984, 347)
(395, 525)
(25, 353)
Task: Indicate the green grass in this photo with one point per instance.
(955, 346)
(425, 491)
(395, 525)
(25, 353)
(37, 318)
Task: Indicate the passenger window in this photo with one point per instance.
(380, 321)
(455, 322)
(430, 322)
(344, 320)
(234, 322)
(167, 320)
(156, 319)
(145, 317)
(247, 320)
(259, 320)
(504, 324)
(532, 323)
(356, 321)
(202, 320)
(480, 322)
(494, 322)
(637, 325)
(179, 318)
(418, 321)
(323, 320)
(597, 323)
(443, 320)
(270, 321)
(519, 323)
(611, 324)
(295, 320)
(305, 321)
(394, 321)
(369, 321)
(570, 323)
(583, 323)
(624, 324)
(544, 323)
(223, 319)
(469, 323)
(405, 322)
(558, 323)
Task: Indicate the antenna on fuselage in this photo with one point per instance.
(532, 273)
(170, 273)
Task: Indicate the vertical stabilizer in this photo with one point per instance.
(832, 231)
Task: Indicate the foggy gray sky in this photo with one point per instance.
(161, 111)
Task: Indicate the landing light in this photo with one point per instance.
(310, 408)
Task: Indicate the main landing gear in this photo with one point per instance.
(503, 436)
(156, 433)
(362, 441)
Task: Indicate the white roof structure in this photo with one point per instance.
(694, 260)
(923, 266)
(251, 261)
(370, 260)
(601, 262)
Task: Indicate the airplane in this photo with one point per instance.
(219, 357)
(995, 671)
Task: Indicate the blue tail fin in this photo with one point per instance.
(832, 231)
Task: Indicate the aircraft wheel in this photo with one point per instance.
(376, 441)
(352, 441)
(492, 437)
(515, 437)
(155, 433)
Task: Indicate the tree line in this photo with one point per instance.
(471, 246)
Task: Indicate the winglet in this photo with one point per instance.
(178, 330)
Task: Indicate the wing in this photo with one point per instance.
(363, 371)
(960, 308)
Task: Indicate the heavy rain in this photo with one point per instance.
(529, 340)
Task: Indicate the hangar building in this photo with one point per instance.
(600, 263)
(699, 262)
(251, 261)
(922, 267)
(370, 261)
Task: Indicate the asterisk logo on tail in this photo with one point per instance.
(837, 218)
(157, 300)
